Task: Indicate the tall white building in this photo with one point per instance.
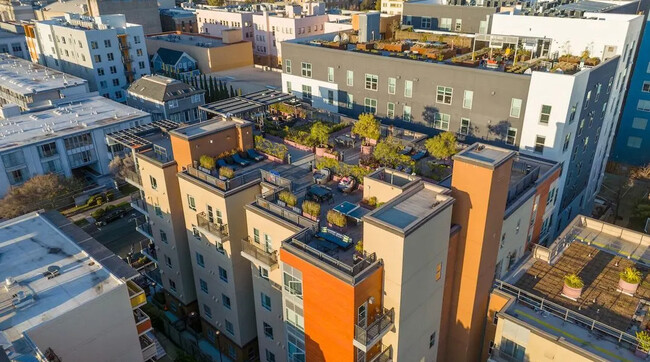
(105, 50)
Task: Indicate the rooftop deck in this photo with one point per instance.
(199, 40)
(208, 127)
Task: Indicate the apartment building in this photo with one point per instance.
(142, 12)
(67, 297)
(106, 51)
(166, 98)
(14, 10)
(428, 15)
(12, 40)
(532, 316)
(178, 20)
(68, 138)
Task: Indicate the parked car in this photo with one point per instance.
(111, 216)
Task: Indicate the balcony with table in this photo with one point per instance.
(256, 254)
(365, 337)
(207, 226)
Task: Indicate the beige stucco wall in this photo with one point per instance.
(514, 234)
(383, 191)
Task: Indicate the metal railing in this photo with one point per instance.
(282, 212)
(144, 228)
(138, 202)
(133, 176)
(531, 174)
(222, 184)
(218, 230)
(385, 355)
(500, 355)
(268, 258)
(541, 304)
(381, 325)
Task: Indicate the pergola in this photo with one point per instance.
(251, 106)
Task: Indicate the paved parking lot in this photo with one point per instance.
(120, 236)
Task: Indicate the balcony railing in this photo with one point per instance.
(386, 355)
(366, 337)
(251, 250)
(148, 347)
(136, 294)
(221, 184)
(218, 230)
(142, 321)
(133, 177)
(138, 203)
(144, 228)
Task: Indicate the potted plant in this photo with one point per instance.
(643, 347)
(226, 173)
(629, 280)
(288, 198)
(572, 288)
(370, 129)
(358, 251)
(335, 218)
(311, 209)
(207, 162)
(319, 135)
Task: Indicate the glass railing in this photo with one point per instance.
(268, 258)
(368, 334)
(218, 230)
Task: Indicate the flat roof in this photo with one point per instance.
(68, 117)
(211, 126)
(199, 40)
(484, 155)
(24, 77)
(31, 247)
(250, 102)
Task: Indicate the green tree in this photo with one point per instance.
(232, 91)
(213, 94)
(319, 133)
(387, 152)
(378, 5)
(442, 146)
(216, 2)
(40, 192)
(239, 92)
(368, 4)
(367, 127)
(202, 85)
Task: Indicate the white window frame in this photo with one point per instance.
(468, 99)
(444, 94)
(513, 107)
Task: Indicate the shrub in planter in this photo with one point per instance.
(372, 201)
(336, 218)
(629, 280)
(311, 208)
(289, 198)
(207, 162)
(226, 172)
(643, 338)
(572, 286)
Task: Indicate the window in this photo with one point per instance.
(511, 136)
(195, 232)
(207, 311)
(270, 357)
(306, 92)
(512, 349)
(172, 285)
(268, 330)
(116, 82)
(445, 23)
(408, 88)
(515, 108)
(52, 166)
(438, 271)
(200, 261)
(136, 39)
(223, 274)
(444, 95)
(263, 272)
(48, 150)
(587, 98)
(643, 105)
(572, 114)
(330, 97)
(204, 286)
(425, 23)
(113, 69)
(306, 69)
(100, 71)
(93, 45)
(586, 142)
(292, 280)
(372, 82)
(138, 52)
(225, 300)
(646, 87)
(349, 78)
(287, 66)
(634, 142)
(464, 126)
(266, 301)
(441, 121)
(407, 114)
(157, 210)
(639, 123)
(103, 84)
(468, 99)
(330, 74)
(567, 140)
(350, 102)
(110, 57)
(432, 340)
(545, 116)
(107, 43)
(190, 202)
(370, 105)
(392, 85)
(539, 144)
(459, 25)
(98, 58)
(168, 261)
(289, 88)
(154, 183)
(229, 327)
(581, 126)
(390, 111)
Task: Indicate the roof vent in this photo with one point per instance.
(52, 271)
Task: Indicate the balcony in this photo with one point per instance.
(142, 321)
(125, 46)
(136, 294)
(255, 254)
(148, 347)
(144, 228)
(386, 355)
(209, 227)
(366, 337)
(138, 203)
(133, 177)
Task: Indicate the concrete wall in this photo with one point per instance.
(514, 235)
(143, 12)
(471, 19)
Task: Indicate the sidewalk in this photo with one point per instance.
(86, 214)
(170, 348)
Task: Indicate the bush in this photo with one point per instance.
(644, 341)
(289, 198)
(442, 146)
(327, 162)
(336, 218)
(98, 213)
(367, 127)
(631, 275)
(372, 201)
(226, 172)
(274, 149)
(311, 208)
(96, 199)
(110, 196)
(207, 162)
(573, 281)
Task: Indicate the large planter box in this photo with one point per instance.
(270, 157)
(366, 150)
(627, 288)
(396, 48)
(298, 145)
(571, 293)
(365, 46)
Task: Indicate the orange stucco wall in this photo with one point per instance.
(329, 306)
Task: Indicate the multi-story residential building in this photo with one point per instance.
(14, 10)
(106, 51)
(532, 315)
(427, 15)
(32, 86)
(12, 40)
(392, 7)
(633, 133)
(143, 12)
(176, 19)
(166, 98)
(66, 297)
(566, 116)
(168, 61)
(211, 53)
(68, 138)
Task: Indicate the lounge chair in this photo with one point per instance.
(240, 161)
(254, 155)
(419, 155)
(347, 184)
(222, 163)
(322, 176)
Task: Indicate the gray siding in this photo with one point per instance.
(471, 16)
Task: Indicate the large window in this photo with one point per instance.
(77, 141)
(47, 150)
(287, 66)
(370, 105)
(330, 74)
(545, 115)
(515, 108)
(464, 126)
(425, 23)
(539, 144)
(305, 69)
(349, 78)
(392, 84)
(511, 136)
(407, 114)
(444, 94)
(390, 110)
(408, 88)
(445, 23)
(292, 281)
(512, 349)
(306, 92)
(468, 99)
(372, 82)
(441, 121)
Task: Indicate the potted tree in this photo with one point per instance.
(370, 129)
(287, 198)
(319, 135)
(629, 280)
(311, 209)
(572, 288)
(335, 218)
(643, 347)
(442, 146)
(358, 251)
(226, 173)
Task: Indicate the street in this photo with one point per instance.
(120, 236)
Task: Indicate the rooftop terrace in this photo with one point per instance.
(24, 77)
(211, 126)
(199, 40)
(68, 117)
